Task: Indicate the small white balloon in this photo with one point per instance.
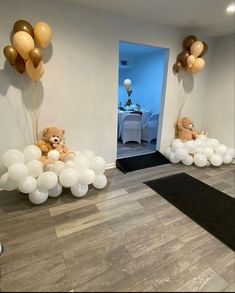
(89, 154)
(202, 137)
(200, 144)
(79, 190)
(97, 164)
(6, 183)
(127, 83)
(81, 162)
(53, 155)
(227, 159)
(188, 160)
(32, 152)
(167, 152)
(100, 181)
(28, 185)
(35, 168)
(69, 164)
(11, 157)
(221, 150)
(208, 152)
(177, 143)
(68, 177)
(86, 176)
(190, 146)
(58, 167)
(55, 191)
(49, 167)
(17, 172)
(181, 153)
(200, 160)
(212, 143)
(38, 196)
(47, 180)
(231, 152)
(216, 160)
(173, 159)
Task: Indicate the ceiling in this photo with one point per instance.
(205, 16)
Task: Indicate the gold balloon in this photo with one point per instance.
(187, 43)
(190, 60)
(35, 56)
(198, 65)
(205, 49)
(182, 57)
(196, 48)
(23, 43)
(23, 25)
(177, 66)
(35, 73)
(42, 34)
(20, 64)
(11, 54)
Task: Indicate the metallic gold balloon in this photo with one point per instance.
(20, 64)
(11, 54)
(23, 25)
(188, 42)
(182, 57)
(177, 66)
(205, 49)
(35, 56)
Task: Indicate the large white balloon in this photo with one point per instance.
(190, 146)
(38, 196)
(208, 152)
(53, 155)
(100, 181)
(32, 152)
(231, 152)
(18, 172)
(11, 157)
(89, 154)
(221, 150)
(69, 164)
(86, 176)
(81, 162)
(58, 167)
(28, 185)
(200, 144)
(212, 143)
(6, 183)
(47, 180)
(188, 160)
(181, 153)
(35, 168)
(173, 159)
(216, 160)
(200, 160)
(79, 190)
(227, 159)
(68, 177)
(167, 152)
(97, 164)
(177, 143)
(56, 191)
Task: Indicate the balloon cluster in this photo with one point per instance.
(26, 173)
(128, 86)
(190, 58)
(22, 54)
(202, 152)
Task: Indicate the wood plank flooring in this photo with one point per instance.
(123, 238)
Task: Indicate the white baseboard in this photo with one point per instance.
(110, 166)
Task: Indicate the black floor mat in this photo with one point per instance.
(210, 208)
(141, 162)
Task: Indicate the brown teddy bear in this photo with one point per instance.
(53, 139)
(185, 129)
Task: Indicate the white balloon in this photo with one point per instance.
(86, 176)
(167, 152)
(227, 159)
(68, 177)
(32, 152)
(81, 162)
(181, 153)
(190, 146)
(49, 167)
(212, 143)
(89, 154)
(200, 144)
(200, 160)
(77, 153)
(6, 183)
(53, 155)
(188, 160)
(97, 164)
(208, 152)
(100, 181)
(28, 185)
(216, 160)
(177, 143)
(55, 191)
(79, 190)
(35, 168)
(38, 196)
(58, 167)
(17, 172)
(11, 157)
(47, 180)
(127, 83)
(173, 159)
(208, 164)
(68, 164)
(202, 137)
(221, 150)
(231, 152)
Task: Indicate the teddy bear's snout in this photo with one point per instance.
(55, 139)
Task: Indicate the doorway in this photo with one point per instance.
(141, 93)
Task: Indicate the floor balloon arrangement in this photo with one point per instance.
(28, 175)
(202, 152)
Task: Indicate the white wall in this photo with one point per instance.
(79, 90)
(219, 101)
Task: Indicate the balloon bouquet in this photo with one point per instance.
(190, 58)
(23, 55)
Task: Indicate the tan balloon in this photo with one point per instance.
(35, 73)
(42, 34)
(196, 48)
(190, 60)
(198, 65)
(23, 43)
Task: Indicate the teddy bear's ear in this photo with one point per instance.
(45, 131)
(63, 131)
(180, 124)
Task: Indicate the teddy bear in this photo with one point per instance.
(53, 139)
(185, 129)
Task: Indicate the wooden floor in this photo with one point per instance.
(123, 238)
(131, 149)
